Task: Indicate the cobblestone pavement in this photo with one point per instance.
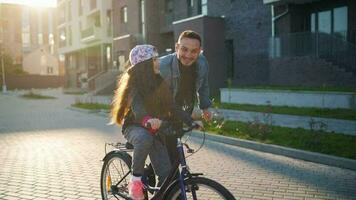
(50, 152)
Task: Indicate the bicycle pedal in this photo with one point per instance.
(190, 151)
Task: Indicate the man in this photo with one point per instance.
(186, 71)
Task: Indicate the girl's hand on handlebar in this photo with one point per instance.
(155, 123)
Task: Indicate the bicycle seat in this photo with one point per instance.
(128, 145)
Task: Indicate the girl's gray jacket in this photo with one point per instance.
(170, 72)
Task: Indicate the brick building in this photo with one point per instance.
(250, 42)
(235, 33)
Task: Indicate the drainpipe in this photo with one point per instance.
(274, 19)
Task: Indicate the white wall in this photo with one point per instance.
(289, 98)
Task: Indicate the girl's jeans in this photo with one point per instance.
(145, 144)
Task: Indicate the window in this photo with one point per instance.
(332, 21)
(108, 22)
(62, 37)
(40, 38)
(69, 35)
(324, 22)
(51, 42)
(340, 22)
(230, 58)
(69, 10)
(39, 29)
(312, 23)
(123, 14)
(168, 12)
(26, 37)
(204, 7)
(62, 16)
(49, 70)
(108, 54)
(191, 3)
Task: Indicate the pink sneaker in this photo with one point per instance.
(136, 190)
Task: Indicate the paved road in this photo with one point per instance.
(50, 152)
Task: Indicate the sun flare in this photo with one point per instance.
(32, 3)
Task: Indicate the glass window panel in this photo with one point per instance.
(340, 21)
(312, 22)
(324, 21)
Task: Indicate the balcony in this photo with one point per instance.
(90, 34)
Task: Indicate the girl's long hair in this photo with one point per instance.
(148, 85)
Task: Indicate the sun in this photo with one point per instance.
(33, 3)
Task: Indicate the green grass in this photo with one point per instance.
(74, 93)
(31, 95)
(300, 88)
(348, 114)
(298, 138)
(91, 106)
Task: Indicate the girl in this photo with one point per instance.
(143, 97)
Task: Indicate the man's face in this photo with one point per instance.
(188, 51)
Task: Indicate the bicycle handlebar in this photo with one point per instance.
(166, 124)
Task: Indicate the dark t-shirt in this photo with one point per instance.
(186, 90)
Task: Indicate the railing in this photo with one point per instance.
(329, 47)
(87, 32)
(92, 32)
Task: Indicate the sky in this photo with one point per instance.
(35, 3)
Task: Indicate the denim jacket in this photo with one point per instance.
(170, 72)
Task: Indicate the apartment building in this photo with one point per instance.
(10, 31)
(38, 29)
(85, 41)
(27, 35)
(249, 42)
(235, 33)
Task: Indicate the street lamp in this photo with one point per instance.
(3, 73)
(2, 52)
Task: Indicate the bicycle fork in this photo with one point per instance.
(183, 171)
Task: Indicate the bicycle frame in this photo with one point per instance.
(179, 166)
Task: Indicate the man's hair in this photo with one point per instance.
(189, 34)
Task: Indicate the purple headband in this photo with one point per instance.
(141, 53)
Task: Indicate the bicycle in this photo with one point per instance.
(117, 168)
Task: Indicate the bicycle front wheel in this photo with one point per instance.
(115, 175)
(200, 188)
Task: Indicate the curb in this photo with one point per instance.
(284, 151)
(268, 148)
(102, 113)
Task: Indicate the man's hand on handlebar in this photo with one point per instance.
(205, 114)
(198, 125)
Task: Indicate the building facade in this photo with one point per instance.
(234, 33)
(248, 42)
(313, 43)
(25, 31)
(10, 31)
(85, 41)
(40, 53)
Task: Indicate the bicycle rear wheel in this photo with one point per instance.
(200, 188)
(115, 175)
